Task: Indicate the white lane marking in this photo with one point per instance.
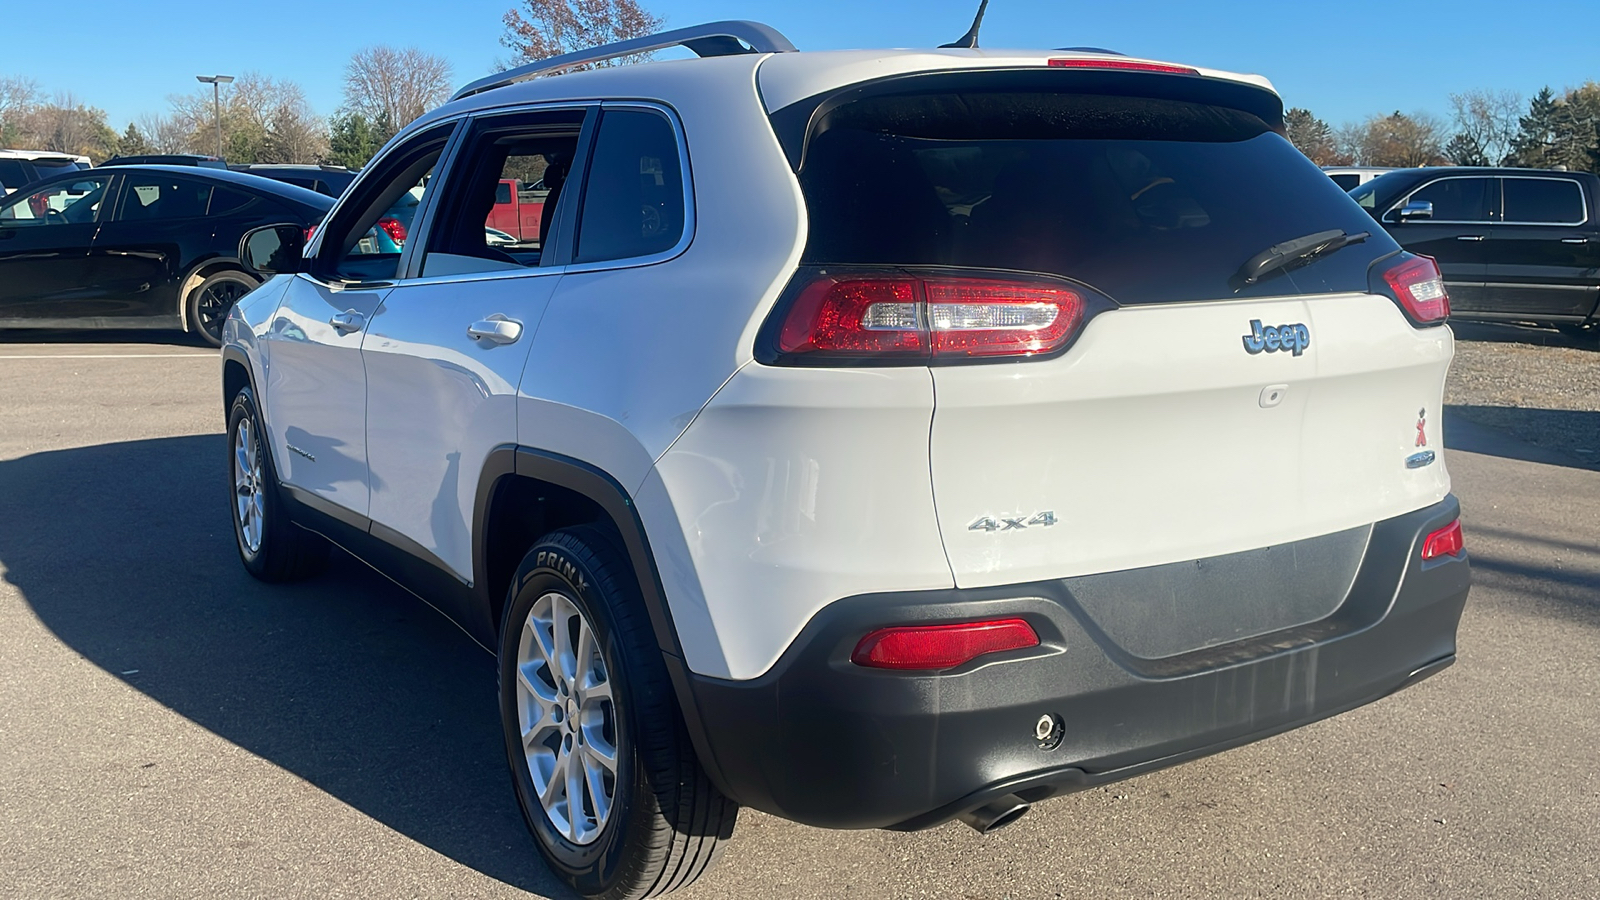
(110, 356)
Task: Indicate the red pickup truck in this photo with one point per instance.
(518, 209)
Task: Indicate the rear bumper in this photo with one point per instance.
(824, 742)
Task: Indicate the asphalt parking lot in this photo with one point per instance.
(171, 728)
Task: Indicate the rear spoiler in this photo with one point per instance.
(796, 122)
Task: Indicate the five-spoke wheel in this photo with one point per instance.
(568, 718)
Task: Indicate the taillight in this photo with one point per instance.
(888, 316)
(311, 231)
(394, 229)
(1415, 282)
(941, 646)
(1123, 64)
(1446, 541)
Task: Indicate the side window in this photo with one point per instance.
(11, 173)
(633, 203)
(147, 197)
(368, 232)
(227, 201)
(1552, 201)
(1459, 199)
(499, 210)
(62, 203)
(1346, 182)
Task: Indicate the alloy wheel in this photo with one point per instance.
(211, 307)
(248, 510)
(568, 718)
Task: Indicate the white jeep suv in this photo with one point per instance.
(874, 439)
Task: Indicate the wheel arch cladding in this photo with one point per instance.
(574, 492)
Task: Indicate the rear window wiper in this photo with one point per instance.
(1293, 254)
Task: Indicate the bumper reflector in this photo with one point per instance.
(941, 646)
(1444, 542)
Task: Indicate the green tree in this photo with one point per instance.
(133, 143)
(1465, 150)
(1536, 133)
(353, 139)
(1313, 137)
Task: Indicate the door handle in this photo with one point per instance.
(1469, 237)
(347, 321)
(495, 329)
(1580, 240)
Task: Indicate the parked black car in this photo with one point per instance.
(330, 180)
(1513, 244)
(137, 246)
(168, 159)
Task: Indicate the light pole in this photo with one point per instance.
(216, 82)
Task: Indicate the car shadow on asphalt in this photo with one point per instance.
(1557, 437)
(125, 551)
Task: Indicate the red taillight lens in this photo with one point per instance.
(869, 316)
(1444, 542)
(941, 646)
(864, 316)
(1122, 64)
(393, 227)
(1416, 283)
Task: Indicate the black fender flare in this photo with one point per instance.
(515, 461)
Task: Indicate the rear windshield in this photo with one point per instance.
(1145, 200)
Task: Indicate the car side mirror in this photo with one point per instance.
(1416, 209)
(274, 249)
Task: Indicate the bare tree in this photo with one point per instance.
(166, 134)
(263, 120)
(1395, 140)
(545, 28)
(17, 97)
(66, 126)
(394, 87)
(1485, 121)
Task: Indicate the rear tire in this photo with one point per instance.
(650, 823)
(208, 305)
(271, 546)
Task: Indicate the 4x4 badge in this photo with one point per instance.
(1009, 523)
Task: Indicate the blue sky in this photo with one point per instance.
(1342, 60)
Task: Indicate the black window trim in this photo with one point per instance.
(684, 239)
(1583, 201)
(412, 259)
(1405, 198)
(319, 273)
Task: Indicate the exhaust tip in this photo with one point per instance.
(996, 814)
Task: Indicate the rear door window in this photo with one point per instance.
(147, 197)
(1346, 182)
(227, 201)
(1146, 200)
(1549, 201)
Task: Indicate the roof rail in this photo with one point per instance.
(710, 39)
